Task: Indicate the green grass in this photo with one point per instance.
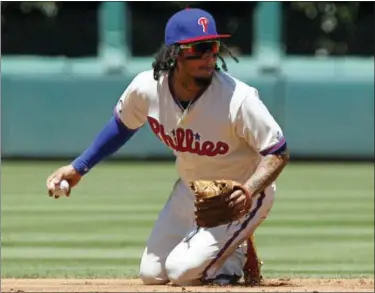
(322, 223)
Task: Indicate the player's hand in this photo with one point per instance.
(66, 172)
(236, 198)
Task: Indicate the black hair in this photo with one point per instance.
(165, 59)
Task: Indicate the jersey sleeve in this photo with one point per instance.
(132, 106)
(257, 126)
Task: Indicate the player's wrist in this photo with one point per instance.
(249, 190)
(80, 166)
(249, 187)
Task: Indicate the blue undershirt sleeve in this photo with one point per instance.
(113, 136)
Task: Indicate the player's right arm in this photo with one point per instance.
(129, 115)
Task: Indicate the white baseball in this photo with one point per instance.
(62, 188)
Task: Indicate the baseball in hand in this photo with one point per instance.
(62, 188)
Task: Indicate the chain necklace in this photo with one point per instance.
(180, 119)
(185, 110)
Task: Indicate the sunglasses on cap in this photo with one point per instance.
(196, 50)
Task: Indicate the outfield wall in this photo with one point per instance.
(54, 107)
(324, 113)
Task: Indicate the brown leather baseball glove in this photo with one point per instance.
(214, 205)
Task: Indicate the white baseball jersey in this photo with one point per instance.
(222, 135)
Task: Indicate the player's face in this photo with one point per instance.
(199, 60)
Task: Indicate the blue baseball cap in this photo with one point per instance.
(191, 25)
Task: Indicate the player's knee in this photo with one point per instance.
(182, 272)
(150, 278)
(152, 272)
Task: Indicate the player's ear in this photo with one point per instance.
(179, 60)
(180, 55)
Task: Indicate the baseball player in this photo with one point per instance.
(218, 128)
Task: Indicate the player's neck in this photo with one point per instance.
(184, 87)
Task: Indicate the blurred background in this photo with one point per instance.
(64, 66)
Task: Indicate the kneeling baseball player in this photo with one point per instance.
(229, 151)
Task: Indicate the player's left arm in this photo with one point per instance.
(269, 168)
(262, 132)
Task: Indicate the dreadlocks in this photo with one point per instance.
(165, 59)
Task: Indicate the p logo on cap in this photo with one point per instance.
(203, 21)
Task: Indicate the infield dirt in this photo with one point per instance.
(134, 285)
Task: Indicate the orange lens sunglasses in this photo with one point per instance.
(201, 48)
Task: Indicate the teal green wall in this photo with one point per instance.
(55, 107)
(330, 118)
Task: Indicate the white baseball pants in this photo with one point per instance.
(179, 252)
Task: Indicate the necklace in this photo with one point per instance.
(180, 119)
(185, 110)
